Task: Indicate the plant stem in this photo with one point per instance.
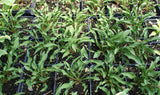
(1, 85)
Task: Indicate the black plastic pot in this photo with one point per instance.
(29, 14)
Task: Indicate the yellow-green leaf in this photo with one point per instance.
(2, 38)
(153, 34)
(157, 52)
(2, 52)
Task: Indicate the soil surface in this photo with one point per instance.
(23, 3)
(10, 88)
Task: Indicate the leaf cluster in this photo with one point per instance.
(82, 46)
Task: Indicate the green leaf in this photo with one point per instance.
(18, 26)
(124, 92)
(2, 38)
(84, 52)
(53, 56)
(29, 84)
(16, 43)
(77, 33)
(133, 57)
(28, 68)
(93, 78)
(116, 50)
(56, 67)
(97, 54)
(66, 53)
(66, 86)
(42, 60)
(74, 47)
(85, 40)
(2, 76)
(120, 37)
(67, 74)
(129, 75)
(43, 79)
(33, 64)
(49, 45)
(35, 73)
(4, 29)
(44, 88)
(74, 93)
(38, 47)
(25, 43)
(153, 65)
(113, 90)
(1, 86)
(98, 62)
(19, 81)
(104, 89)
(118, 79)
(157, 52)
(2, 52)
(15, 7)
(21, 93)
(156, 28)
(5, 7)
(7, 2)
(153, 34)
(22, 19)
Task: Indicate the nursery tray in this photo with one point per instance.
(26, 13)
(30, 14)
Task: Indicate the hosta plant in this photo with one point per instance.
(12, 55)
(45, 18)
(10, 23)
(72, 37)
(37, 72)
(112, 79)
(45, 32)
(78, 74)
(7, 71)
(10, 49)
(147, 78)
(114, 42)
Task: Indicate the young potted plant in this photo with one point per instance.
(74, 77)
(38, 77)
(146, 78)
(112, 79)
(8, 72)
